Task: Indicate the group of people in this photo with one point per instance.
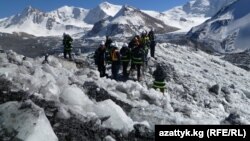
(134, 54)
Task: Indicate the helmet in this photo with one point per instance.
(102, 43)
(113, 44)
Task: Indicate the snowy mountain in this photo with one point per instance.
(74, 20)
(101, 12)
(67, 19)
(228, 30)
(71, 16)
(128, 22)
(191, 14)
(208, 8)
(36, 22)
(70, 101)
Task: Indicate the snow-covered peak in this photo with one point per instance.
(191, 14)
(69, 9)
(109, 9)
(65, 8)
(29, 9)
(101, 12)
(69, 15)
(33, 21)
(128, 22)
(28, 15)
(127, 11)
(205, 7)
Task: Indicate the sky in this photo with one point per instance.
(11, 7)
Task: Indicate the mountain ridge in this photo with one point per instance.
(228, 29)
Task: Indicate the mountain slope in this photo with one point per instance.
(65, 19)
(102, 11)
(201, 89)
(228, 29)
(35, 22)
(191, 14)
(70, 16)
(129, 21)
(79, 20)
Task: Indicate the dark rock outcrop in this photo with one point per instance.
(216, 89)
(100, 94)
(232, 119)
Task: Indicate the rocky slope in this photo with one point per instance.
(201, 89)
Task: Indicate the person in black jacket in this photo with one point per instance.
(67, 43)
(152, 43)
(108, 45)
(108, 42)
(159, 75)
(138, 59)
(132, 44)
(125, 59)
(100, 59)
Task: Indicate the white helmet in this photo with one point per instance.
(102, 43)
(113, 44)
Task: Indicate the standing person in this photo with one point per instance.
(115, 57)
(46, 56)
(138, 59)
(67, 43)
(108, 42)
(159, 75)
(125, 59)
(132, 44)
(108, 45)
(145, 44)
(100, 59)
(152, 43)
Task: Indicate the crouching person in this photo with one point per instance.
(159, 75)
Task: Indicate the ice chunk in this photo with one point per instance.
(14, 57)
(74, 96)
(50, 91)
(118, 119)
(109, 138)
(27, 120)
(63, 113)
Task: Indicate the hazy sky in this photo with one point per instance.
(11, 7)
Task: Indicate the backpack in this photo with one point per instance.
(114, 55)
